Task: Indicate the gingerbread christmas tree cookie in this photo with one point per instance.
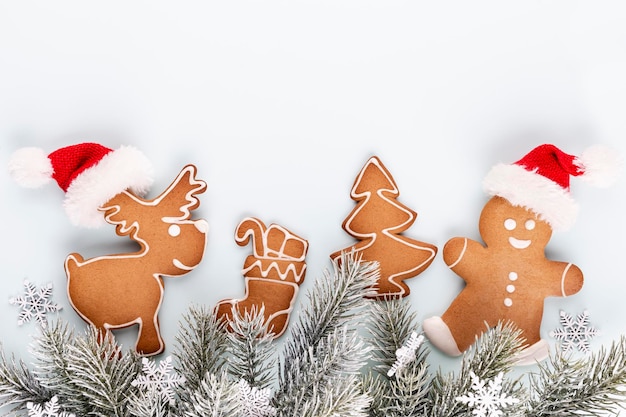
(378, 222)
(508, 277)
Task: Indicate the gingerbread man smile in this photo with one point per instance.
(518, 243)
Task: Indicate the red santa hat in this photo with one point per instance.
(540, 181)
(90, 175)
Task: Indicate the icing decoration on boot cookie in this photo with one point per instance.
(378, 222)
(509, 278)
(273, 273)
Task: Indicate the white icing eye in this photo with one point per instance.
(530, 224)
(174, 230)
(510, 224)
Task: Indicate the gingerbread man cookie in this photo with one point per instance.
(508, 278)
(378, 222)
(273, 273)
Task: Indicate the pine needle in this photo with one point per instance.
(201, 345)
(323, 346)
(590, 386)
(251, 348)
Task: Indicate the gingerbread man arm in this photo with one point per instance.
(458, 253)
(571, 280)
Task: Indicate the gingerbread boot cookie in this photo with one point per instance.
(273, 273)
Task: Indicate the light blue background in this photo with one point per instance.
(280, 103)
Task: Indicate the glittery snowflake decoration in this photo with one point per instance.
(255, 402)
(159, 380)
(406, 353)
(486, 398)
(49, 409)
(575, 333)
(35, 303)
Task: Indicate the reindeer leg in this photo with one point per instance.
(149, 341)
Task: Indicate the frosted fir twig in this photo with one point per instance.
(344, 397)
(390, 322)
(103, 373)
(18, 385)
(494, 352)
(594, 385)
(216, 396)
(323, 344)
(251, 347)
(201, 346)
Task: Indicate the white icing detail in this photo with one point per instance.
(178, 264)
(533, 354)
(510, 224)
(202, 225)
(440, 335)
(530, 224)
(510, 288)
(260, 235)
(460, 255)
(283, 275)
(563, 279)
(518, 243)
(513, 276)
(508, 302)
(174, 230)
(286, 311)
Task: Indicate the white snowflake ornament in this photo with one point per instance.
(406, 353)
(255, 402)
(486, 398)
(159, 380)
(35, 303)
(49, 409)
(575, 333)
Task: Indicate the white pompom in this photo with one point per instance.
(602, 165)
(31, 167)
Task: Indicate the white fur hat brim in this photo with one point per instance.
(125, 168)
(521, 187)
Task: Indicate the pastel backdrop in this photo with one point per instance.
(279, 104)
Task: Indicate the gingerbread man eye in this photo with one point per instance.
(510, 224)
(174, 230)
(530, 224)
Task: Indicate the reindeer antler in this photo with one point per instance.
(180, 196)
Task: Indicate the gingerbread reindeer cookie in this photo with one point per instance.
(121, 290)
(378, 222)
(508, 278)
(273, 273)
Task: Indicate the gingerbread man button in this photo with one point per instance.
(509, 278)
